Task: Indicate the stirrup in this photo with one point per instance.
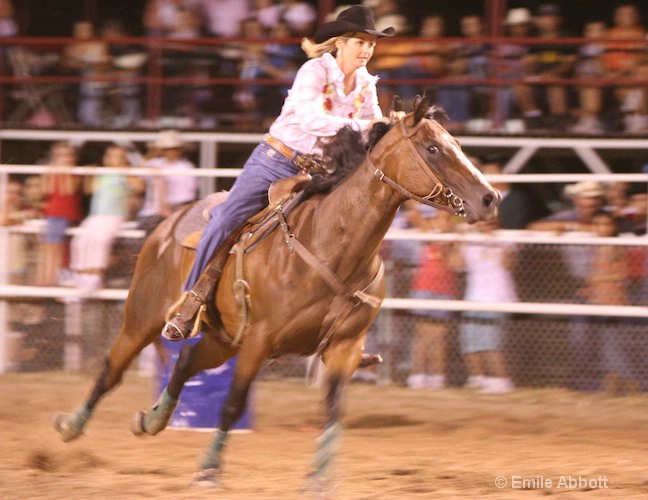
(180, 327)
(173, 332)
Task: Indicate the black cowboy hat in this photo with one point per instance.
(355, 19)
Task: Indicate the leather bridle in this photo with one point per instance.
(453, 204)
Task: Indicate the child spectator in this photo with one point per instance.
(590, 65)
(108, 210)
(489, 278)
(434, 279)
(607, 284)
(62, 209)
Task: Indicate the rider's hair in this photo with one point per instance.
(313, 49)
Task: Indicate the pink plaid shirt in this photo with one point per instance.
(316, 107)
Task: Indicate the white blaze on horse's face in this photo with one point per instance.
(479, 204)
(461, 156)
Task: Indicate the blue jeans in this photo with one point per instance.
(248, 196)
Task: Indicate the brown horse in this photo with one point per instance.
(314, 286)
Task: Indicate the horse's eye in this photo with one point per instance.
(433, 149)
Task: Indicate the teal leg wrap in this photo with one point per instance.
(158, 416)
(71, 426)
(212, 458)
(328, 444)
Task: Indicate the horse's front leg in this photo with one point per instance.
(254, 351)
(341, 359)
(205, 354)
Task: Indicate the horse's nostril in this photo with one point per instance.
(487, 200)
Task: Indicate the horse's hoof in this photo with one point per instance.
(317, 487)
(137, 424)
(206, 478)
(64, 426)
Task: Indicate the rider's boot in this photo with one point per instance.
(188, 316)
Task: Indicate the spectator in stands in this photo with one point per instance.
(12, 208)
(434, 279)
(63, 196)
(388, 13)
(299, 15)
(162, 18)
(128, 60)
(489, 278)
(166, 194)
(411, 59)
(91, 60)
(509, 59)
(625, 59)
(247, 96)
(590, 65)
(466, 61)
(222, 18)
(34, 194)
(607, 284)
(8, 25)
(520, 204)
(280, 61)
(14, 211)
(587, 198)
(550, 59)
(268, 12)
(402, 259)
(108, 210)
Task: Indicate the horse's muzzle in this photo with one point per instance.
(487, 208)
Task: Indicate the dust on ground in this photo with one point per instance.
(397, 444)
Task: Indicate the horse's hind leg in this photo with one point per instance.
(206, 353)
(249, 362)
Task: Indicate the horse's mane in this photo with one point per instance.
(342, 156)
(347, 149)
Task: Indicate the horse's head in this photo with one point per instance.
(426, 163)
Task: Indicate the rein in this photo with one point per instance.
(454, 203)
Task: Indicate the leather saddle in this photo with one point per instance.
(279, 193)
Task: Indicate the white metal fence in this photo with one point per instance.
(541, 336)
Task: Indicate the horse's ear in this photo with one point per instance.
(397, 111)
(417, 101)
(397, 103)
(421, 107)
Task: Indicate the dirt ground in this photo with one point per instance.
(397, 444)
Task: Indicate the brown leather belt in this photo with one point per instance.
(305, 163)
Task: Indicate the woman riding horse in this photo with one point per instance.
(331, 90)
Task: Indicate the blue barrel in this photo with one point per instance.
(203, 395)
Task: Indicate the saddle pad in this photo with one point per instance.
(194, 219)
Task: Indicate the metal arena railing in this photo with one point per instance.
(41, 328)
